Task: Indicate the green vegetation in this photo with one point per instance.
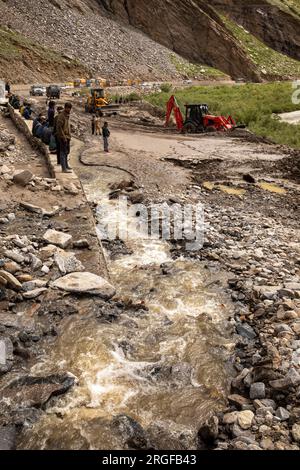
(291, 6)
(166, 87)
(270, 63)
(13, 45)
(196, 70)
(251, 104)
(128, 97)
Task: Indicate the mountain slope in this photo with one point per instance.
(157, 39)
(190, 28)
(275, 22)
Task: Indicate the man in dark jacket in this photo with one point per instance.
(51, 113)
(106, 135)
(59, 110)
(63, 132)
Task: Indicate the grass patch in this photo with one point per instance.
(196, 71)
(270, 63)
(251, 104)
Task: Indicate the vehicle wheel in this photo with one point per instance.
(189, 128)
(210, 129)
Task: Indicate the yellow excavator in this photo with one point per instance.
(97, 101)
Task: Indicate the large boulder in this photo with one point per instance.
(30, 391)
(22, 178)
(85, 283)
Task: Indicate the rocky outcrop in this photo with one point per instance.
(277, 27)
(191, 29)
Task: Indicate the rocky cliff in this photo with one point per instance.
(276, 24)
(190, 28)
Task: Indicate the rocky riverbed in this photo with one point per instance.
(251, 214)
(46, 233)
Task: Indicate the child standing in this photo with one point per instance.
(106, 135)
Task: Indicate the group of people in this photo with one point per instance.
(54, 128)
(23, 106)
(55, 131)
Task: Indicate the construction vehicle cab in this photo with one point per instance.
(194, 118)
(96, 100)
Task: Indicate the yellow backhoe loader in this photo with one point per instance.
(97, 101)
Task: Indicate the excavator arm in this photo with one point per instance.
(172, 105)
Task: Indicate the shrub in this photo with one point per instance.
(166, 87)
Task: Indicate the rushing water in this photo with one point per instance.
(164, 367)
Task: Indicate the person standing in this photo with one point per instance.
(93, 124)
(106, 135)
(59, 110)
(63, 132)
(51, 113)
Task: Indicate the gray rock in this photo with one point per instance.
(292, 285)
(29, 391)
(246, 331)
(267, 292)
(266, 402)
(85, 283)
(67, 262)
(57, 238)
(45, 269)
(36, 263)
(292, 379)
(257, 390)
(282, 414)
(39, 210)
(33, 294)
(10, 320)
(14, 255)
(283, 328)
(131, 432)
(30, 285)
(286, 293)
(22, 178)
(6, 354)
(230, 418)
(11, 217)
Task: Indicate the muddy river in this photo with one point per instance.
(165, 367)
